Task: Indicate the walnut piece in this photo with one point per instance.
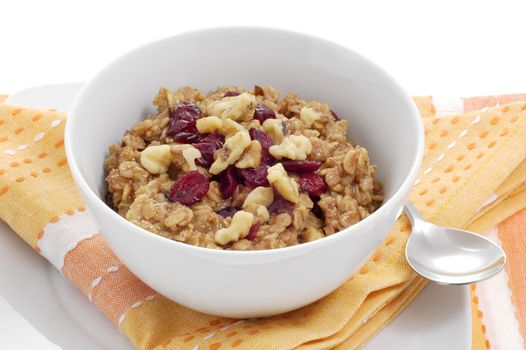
(251, 158)
(190, 154)
(259, 196)
(184, 156)
(274, 128)
(231, 127)
(262, 214)
(295, 147)
(227, 127)
(238, 229)
(156, 159)
(209, 124)
(308, 116)
(286, 186)
(257, 202)
(232, 150)
(241, 107)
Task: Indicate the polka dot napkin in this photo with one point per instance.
(473, 172)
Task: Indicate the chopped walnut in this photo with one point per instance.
(231, 127)
(295, 147)
(209, 124)
(239, 107)
(251, 158)
(257, 202)
(254, 123)
(156, 159)
(239, 227)
(308, 116)
(184, 156)
(262, 214)
(286, 186)
(275, 129)
(259, 196)
(232, 150)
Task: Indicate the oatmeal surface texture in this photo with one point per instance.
(241, 170)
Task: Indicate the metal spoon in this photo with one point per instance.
(450, 256)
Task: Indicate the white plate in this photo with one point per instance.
(439, 318)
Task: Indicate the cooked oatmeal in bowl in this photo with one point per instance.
(224, 281)
(241, 169)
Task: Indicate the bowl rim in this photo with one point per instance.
(91, 197)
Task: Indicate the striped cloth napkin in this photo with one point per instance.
(502, 218)
(472, 176)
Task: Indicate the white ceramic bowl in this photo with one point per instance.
(257, 283)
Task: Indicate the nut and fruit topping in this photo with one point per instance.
(241, 169)
(190, 188)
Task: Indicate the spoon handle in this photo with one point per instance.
(412, 213)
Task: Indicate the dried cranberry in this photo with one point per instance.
(227, 212)
(186, 137)
(313, 184)
(254, 177)
(207, 146)
(335, 116)
(182, 122)
(190, 188)
(252, 233)
(228, 182)
(300, 166)
(261, 137)
(263, 113)
(266, 142)
(231, 94)
(280, 205)
(207, 154)
(213, 138)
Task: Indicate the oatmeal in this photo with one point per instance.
(241, 169)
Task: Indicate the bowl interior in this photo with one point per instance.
(382, 117)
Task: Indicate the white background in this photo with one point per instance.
(441, 48)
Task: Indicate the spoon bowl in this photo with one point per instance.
(450, 256)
